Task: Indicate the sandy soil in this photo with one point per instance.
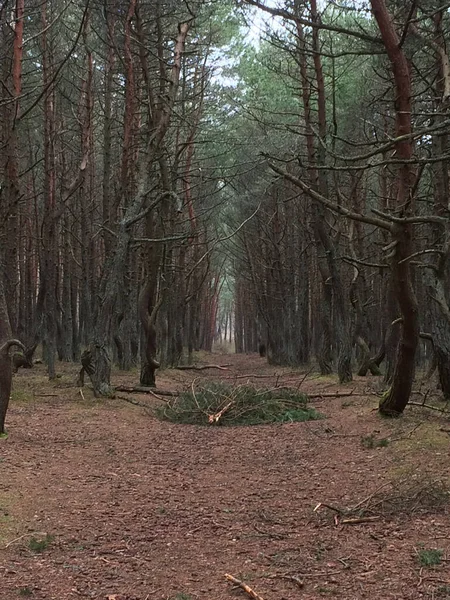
(130, 508)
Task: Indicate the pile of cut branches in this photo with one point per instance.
(224, 404)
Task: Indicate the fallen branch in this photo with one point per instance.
(144, 390)
(335, 395)
(215, 418)
(356, 520)
(370, 496)
(293, 578)
(202, 368)
(132, 401)
(255, 375)
(408, 435)
(429, 406)
(248, 590)
(341, 511)
(300, 576)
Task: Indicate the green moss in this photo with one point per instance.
(38, 545)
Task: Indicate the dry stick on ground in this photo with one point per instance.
(249, 375)
(295, 578)
(404, 437)
(370, 496)
(273, 376)
(202, 367)
(132, 401)
(356, 520)
(248, 590)
(144, 390)
(347, 512)
(336, 395)
(429, 406)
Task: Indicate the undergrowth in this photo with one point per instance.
(224, 404)
(430, 557)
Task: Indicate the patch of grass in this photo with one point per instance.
(220, 403)
(427, 438)
(370, 442)
(181, 596)
(25, 591)
(38, 545)
(430, 557)
(20, 394)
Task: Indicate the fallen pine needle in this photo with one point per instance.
(248, 590)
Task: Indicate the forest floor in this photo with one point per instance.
(99, 499)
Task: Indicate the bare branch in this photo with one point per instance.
(337, 208)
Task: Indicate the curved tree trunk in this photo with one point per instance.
(397, 397)
(5, 359)
(368, 363)
(440, 327)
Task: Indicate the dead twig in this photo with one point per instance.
(341, 511)
(293, 578)
(429, 406)
(144, 390)
(248, 590)
(369, 497)
(408, 435)
(132, 401)
(356, 520)
(336, 395)
(202, 367)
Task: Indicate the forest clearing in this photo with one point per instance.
(99, 499)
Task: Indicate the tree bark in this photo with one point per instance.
(396, 399)
(5, 359)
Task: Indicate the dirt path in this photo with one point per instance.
(138, 509)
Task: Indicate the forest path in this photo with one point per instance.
(138, 508)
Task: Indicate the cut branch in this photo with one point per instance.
(248, 590)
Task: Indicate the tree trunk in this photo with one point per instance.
(148, 311)
(5, 359)
(397, 397)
